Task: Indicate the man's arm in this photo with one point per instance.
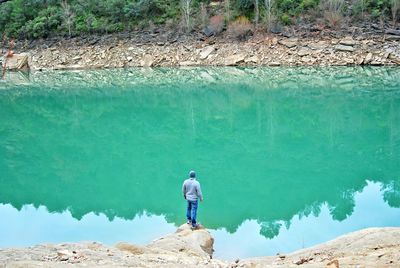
(199, 194)
(184, 190)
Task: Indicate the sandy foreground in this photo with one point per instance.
(372, 247)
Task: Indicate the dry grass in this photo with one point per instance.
(332, 10)
(217, 23)
(241, 28)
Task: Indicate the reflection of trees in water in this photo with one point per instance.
(344, 208)
(270, 229)
(261, 154)
(391, 194)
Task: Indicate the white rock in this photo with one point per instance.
(147, 61)
(289, 43)
(344, 48)
(199, 242)
(368, 58)
(234, 59)
(274, 63)
(348, 41)
(205, 52)
(303, 52)
(252, 59)
(187, 63)
(318, 46)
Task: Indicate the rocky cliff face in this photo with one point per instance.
(260, 50)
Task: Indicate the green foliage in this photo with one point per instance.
(42, 18)
(285, 19)
(308, 4)
(285, 9)
(378, 8)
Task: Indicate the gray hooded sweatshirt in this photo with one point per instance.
(191, 189)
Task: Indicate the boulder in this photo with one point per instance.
(253, 59)
(234, 59)
(359, 61)
(197, 242)
(147, 61)
(289, 43)
(303, 51)
(16, 61)
(348, 41)
(368, 58)
(274, 63)
(392, 32)
(344, 48)
(376, 62)
(395, 58)
(276, 28)
(393, 37)
(318, 45)
(209, 31)
(205, 52)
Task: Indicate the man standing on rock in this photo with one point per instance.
(192, 192)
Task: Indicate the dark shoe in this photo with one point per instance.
(195, 227)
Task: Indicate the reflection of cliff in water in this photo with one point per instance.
(281, 77)
(260, 154)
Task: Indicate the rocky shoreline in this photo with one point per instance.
(372, 247)
(152, 50)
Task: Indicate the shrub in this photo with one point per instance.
(241, 28)
(333, 12)
(203, 15)
(217, 23)
(285, 19)
(333, 19)
(41, 26)
(308, 4)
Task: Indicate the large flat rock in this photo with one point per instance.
(197, 242)
(372, 247)
(16, 61)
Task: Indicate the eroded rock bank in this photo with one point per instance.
(260, 50)
(373, 247)
(184, 248)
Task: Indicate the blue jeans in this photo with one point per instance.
(191, 211)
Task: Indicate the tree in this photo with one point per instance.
(395, 7)
(186, 9)
(257, 12)
(268, 7)
(68, 16)
(228, 10)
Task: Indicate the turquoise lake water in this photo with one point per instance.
(287, 157)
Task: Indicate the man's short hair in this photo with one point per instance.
(192, 174)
